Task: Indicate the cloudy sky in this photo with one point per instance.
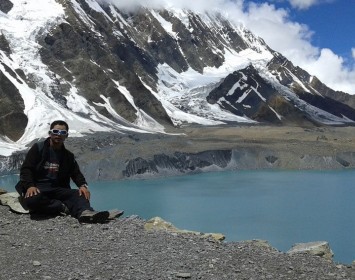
(317, 35)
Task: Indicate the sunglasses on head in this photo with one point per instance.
(58, 132)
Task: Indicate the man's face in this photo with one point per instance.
(58, 138)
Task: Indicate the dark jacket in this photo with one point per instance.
(33, 168)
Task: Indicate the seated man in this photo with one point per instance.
(45, 180)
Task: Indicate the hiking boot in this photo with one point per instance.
(93, 217)
(115, 214)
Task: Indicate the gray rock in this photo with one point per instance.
(12, 200)
(36, 263)
(318, 248)
(158, 223)
(184, 275)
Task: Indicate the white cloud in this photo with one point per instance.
(306, 4)
(353, 52)
(274, 25)
(336, 74)
(302, 4)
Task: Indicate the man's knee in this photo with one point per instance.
(34, 201)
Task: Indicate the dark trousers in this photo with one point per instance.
(50, 201)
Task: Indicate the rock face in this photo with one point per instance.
(319, 248)
(179, 162)
(218, 160)
(13, 121)
(6, 6)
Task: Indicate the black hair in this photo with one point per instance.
(59, 122)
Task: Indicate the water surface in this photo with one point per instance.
(283, 207)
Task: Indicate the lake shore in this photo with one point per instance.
(106, 156)
(62, 248)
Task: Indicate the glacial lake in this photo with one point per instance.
(282, 207)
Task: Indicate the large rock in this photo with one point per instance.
(158, 223)
(12, 200)
(317, 248)
(6, 6)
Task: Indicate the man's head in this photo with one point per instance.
(59, 122)
(58, 132)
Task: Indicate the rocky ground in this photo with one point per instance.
(61, 248)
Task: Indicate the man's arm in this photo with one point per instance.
(28, 169)
(80, 181)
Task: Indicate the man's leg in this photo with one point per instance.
(42, 204)
(71, 198)
(79, 206)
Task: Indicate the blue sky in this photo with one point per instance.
(316, 35)
(333, 25)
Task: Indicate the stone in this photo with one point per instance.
(12, 200)
(36, 263)
(184, 275)
(158, 223)
(2, 191)
(317, 248)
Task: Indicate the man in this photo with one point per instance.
(45, 180)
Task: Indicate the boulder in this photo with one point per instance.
(158, 223)
(317, 248)
(2, 191)
(12, 200)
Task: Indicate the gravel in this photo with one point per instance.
(62, 248)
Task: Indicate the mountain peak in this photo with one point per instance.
(111, 69)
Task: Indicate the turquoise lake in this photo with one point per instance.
(282, 207)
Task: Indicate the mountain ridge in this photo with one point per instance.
(107, 69)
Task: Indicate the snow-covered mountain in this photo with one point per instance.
(105, 69)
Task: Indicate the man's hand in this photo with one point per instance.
(31, 191)
(83, 190)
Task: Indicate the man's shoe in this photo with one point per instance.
(113, 214)
(93, 217)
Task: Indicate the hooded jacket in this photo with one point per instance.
(32, 168)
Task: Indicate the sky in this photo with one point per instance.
(317, 35)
